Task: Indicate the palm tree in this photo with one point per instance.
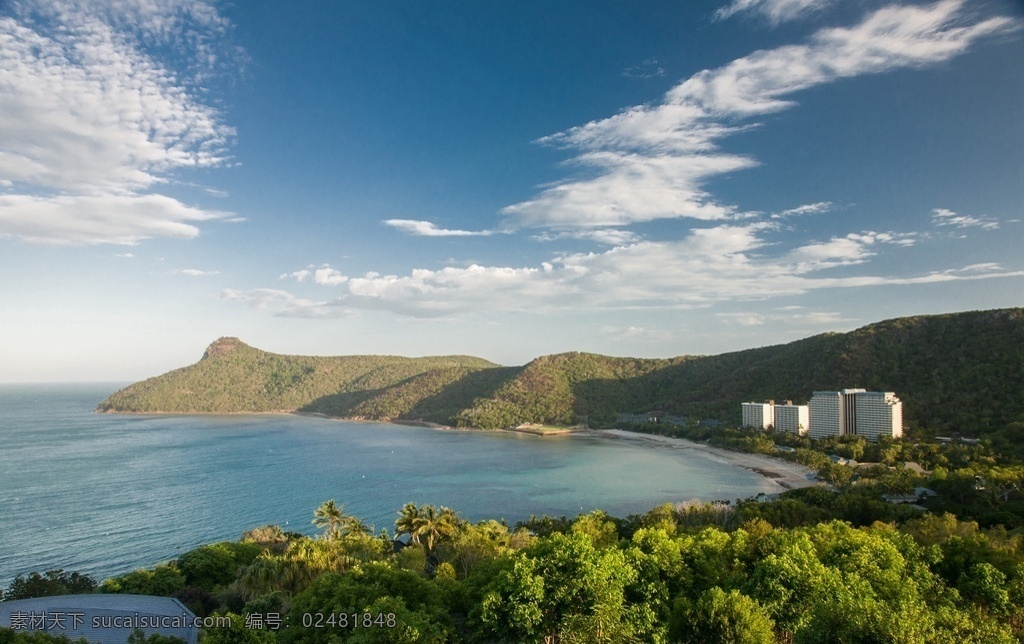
(357, 528)
(331, 518)
(435, 526)
(409, 522)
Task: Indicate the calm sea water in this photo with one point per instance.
(105, 494)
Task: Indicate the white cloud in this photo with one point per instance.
(854, 248)
(328, 276)
(323, 275)
(814, 318)
(651, 161)
(283, 303)
(743, 319)
(631, 188)
(428, 229)
(806, 209)
(725, 263)
(635, 333)
(98, 219)
(194, 272)
(124, 255)
(87, 114)
(945, 217)
(607, 236)
(649, 68)
(777, 11)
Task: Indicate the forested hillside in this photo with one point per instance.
(233, 377)
(957, 372)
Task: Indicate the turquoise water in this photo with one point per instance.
(105, 494)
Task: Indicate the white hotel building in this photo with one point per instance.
(850, 412)
(791, 418)
(878, 414)
(759, 415)
(871, 414)
(784, 418)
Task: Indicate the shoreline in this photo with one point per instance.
(784, 474)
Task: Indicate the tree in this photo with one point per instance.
(408, 522)
(162, 580)
(216, 564)
(563, 589)
(599, 527)
(138, 636)
(237, 633)
(437, 525)
(331, 518)
(52, 582)
(427, 525)
(720, 616)
(377, 588)
(986, 586)
(475, 543)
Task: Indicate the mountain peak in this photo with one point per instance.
(223, 346)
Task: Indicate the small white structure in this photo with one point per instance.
(102, 618)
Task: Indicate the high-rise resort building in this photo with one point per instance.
(791, 418)
(871, 414)
(759, 415)
(878, 414)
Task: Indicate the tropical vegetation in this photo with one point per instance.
(958, 373)
(832, 562)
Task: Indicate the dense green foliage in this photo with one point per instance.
(233, 377)
(959, 373)
(48, 584)
(696, 572)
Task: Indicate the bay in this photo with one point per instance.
(105, 494)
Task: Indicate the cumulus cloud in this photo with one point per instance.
(854, 248)
(945, 217)
(194, 272)
(323, 275)
(89, 115)
(776, 11)
(727, 262)
(651, 161)
(428, 229)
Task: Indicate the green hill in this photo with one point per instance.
(961, 372)
(957, 372)
(233, 377)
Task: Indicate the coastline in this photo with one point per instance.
(784, 474)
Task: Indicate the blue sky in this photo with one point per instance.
(504, 180)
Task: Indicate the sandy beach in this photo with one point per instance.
(785, 475)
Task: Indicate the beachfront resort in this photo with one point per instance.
(848, 412)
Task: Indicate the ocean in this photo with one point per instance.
(105, 494)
